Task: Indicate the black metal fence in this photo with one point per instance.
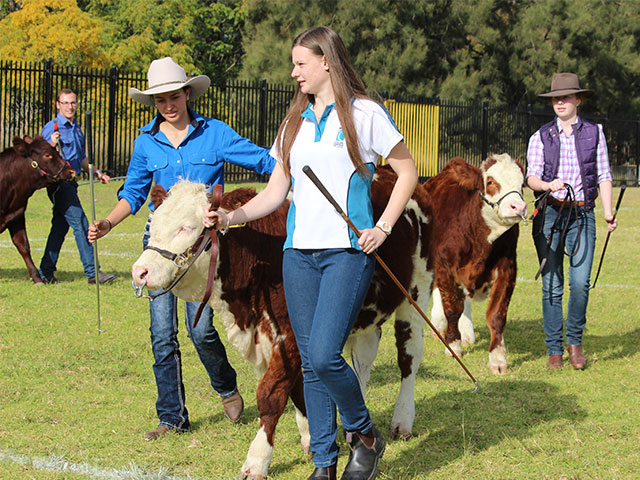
(255, 110)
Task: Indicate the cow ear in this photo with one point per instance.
(466, 175)
(158, 195)
(20, 146)
(28, 139)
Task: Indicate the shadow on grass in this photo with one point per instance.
(526, 339)
(457, 423)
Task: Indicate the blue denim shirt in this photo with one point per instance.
(199, 158)
(71, 140)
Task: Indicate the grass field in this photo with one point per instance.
(75, 403)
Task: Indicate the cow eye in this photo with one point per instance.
(48, 156)
(186, 229)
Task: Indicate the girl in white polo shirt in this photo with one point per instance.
(336, 129)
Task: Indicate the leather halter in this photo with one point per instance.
(208, 239)
(496, 205)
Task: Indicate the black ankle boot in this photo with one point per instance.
(324, 473)
(363, 461)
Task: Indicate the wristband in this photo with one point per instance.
(109, 222)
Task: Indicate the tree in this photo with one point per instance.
(399, 47)
(559, 35)
(503, 51)
(202, 35)
(52, 29)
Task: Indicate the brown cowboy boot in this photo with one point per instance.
(233, 407)
(576, 356)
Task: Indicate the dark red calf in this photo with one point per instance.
(24, 168)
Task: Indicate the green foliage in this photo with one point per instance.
(503, 51)
(52, 29)
(203, 36)
(391, 44)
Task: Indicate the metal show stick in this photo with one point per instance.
(307, 170)
(604, 249)
(96, 264)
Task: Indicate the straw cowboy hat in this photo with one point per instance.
(565, 84)
(165, 75)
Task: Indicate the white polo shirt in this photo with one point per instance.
(312, 222)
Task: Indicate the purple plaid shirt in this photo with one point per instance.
(569, 167)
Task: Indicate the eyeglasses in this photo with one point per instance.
(68, 103)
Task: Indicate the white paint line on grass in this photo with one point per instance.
(59, 464)
(36, 242)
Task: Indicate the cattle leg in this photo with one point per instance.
(496, 320)
(464, 325)
(297, 397)
(409, 331)
(452, 306)
(18, 232)
(272, 395)
(363, 345)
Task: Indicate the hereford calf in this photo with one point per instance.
(24, 168)
(248, 296)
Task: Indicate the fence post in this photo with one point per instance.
(111, 129)
(262, 118)
(48, 89)
(485, 130)
(638, 150)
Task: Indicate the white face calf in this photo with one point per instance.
(176, 225)
(504, 205)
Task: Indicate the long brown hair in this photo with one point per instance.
(346, 85)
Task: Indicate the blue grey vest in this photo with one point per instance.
(586, 136)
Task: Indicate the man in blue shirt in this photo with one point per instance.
(180, 144)
(64, 133)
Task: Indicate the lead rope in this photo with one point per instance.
(215, 204)
(541, 206)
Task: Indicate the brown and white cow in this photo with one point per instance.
(491, 267)
(249, 299)
(458, 234)
(24, 168)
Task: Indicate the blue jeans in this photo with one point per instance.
(67, 212)
(167, 368)
(553, 274)
(325, 290)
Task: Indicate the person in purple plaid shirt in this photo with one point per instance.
(568, 151)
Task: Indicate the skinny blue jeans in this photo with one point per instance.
(325, 290)
(553, 274)
(67, 212)
(167, 368)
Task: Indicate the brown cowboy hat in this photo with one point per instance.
(565, 84)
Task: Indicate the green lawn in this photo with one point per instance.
(71, 396)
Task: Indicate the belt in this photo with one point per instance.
(558, 203)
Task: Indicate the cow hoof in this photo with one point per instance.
(249, 476)
(456, 347)
(498, 369)
(498, 360)
(398, 434)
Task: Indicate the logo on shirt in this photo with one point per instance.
(339, 143)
